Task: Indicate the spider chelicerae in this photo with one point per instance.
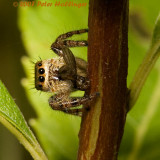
(64, 75)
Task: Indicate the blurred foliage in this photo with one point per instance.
(141, 138)
(40, 26)
(57, 132)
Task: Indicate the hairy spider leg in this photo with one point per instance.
(60, 42)
(70, 69)
(67, 104)
(72, 43)
(70, 34)
(75, 111)
(82, 83)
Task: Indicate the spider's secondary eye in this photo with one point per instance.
(41, 70)
(41, 78)
(39, 64)
(40, 86)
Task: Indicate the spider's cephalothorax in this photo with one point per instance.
(64, 75)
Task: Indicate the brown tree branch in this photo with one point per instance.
(102, 127)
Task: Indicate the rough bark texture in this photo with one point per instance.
(102, 126)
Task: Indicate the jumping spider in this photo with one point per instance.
(64, 75)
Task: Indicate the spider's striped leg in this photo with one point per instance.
(75, 111)
(67, 103)
(82, 83)
(57, 47)
(61, 42)
(70, 34)
(72, 43)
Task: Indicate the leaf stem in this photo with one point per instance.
(143, 126)
(142, 73)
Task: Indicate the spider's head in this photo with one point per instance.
(47, 76)
(41, 75)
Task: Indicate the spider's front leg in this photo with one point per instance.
(67, 104)
(68, 71)
(61, 41)
(74, 70)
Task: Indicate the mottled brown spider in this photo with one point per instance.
(64, 75)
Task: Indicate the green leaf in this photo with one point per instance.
(12, 118)
(40, 26)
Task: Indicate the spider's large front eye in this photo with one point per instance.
(41, 79)
(41, 70)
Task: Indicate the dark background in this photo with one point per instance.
(11, 73)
